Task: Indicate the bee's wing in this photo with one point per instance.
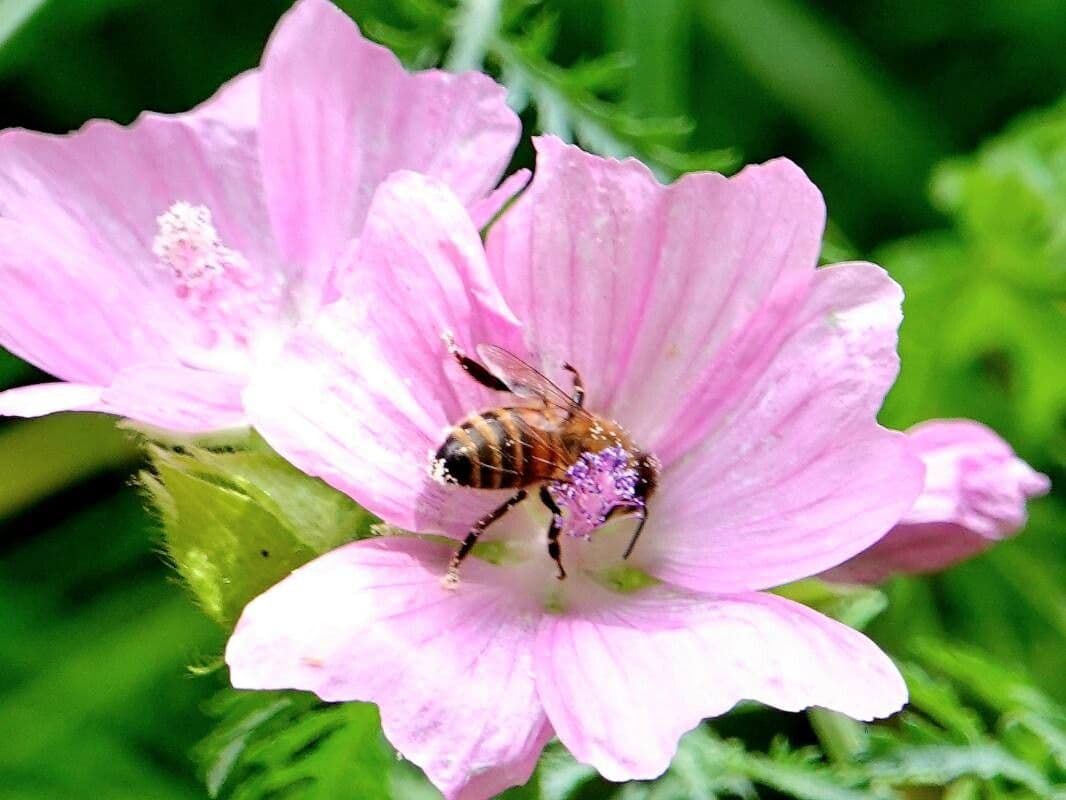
(524, 380)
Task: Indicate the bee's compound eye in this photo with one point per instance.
(452, 464)
(648, 468)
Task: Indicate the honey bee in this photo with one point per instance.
(532, 443)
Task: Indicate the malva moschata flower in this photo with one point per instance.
(976, 490)
(698, 322)
(153, 267)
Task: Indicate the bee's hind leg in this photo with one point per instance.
(553, 530)
(475, 369)
(475, 532)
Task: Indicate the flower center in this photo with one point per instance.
(188, 245)
(595, 487)
(227, 296)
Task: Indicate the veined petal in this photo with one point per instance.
(792, 474)
(340, 114)
(48, 398)
(84, 296)
(68, 310)
(364, 396)
(176, 398)
(625, 678)
(450, 669)
(642, 286)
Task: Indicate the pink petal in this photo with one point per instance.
(451, 669)
(68, 311)
(83, 295)
(641, 286)
(975, 494)
(483, 211)
(364, 396)
(340, 114)
(48, 398)
(624, 679)
(793, 475)
(176, 398)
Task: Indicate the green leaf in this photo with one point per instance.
(1000, 688)
(707, 767)
(985, 326)
(288, 744)
(939, 700)
(939, 765)
(567, 104)
(237, 522)
(561, 777)
(798, 774)
(1010, 199)
(476, 23)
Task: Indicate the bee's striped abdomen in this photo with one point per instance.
(504, 448)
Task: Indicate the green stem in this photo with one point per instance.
(842, 738)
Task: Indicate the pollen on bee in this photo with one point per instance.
(450, 581)
(438, 471)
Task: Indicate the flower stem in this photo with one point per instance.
(842, 738)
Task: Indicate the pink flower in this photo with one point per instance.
(975, 493)
(154, 267)
(697, 320)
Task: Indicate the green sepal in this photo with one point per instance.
(855, 606)
(238, 520)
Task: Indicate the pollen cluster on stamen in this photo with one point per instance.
(219, 285)
(593, 487)
(187, 243)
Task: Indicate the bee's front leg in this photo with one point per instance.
(554, 550)
(475, 369)
(579, 385)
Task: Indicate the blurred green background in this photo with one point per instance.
(938, 135)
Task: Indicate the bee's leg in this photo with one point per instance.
(553, 530)
(475, 369)
(477, 530)
(643, 512)
(578, 392)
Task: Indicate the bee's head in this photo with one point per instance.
(647, 467)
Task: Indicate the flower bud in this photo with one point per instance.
(975, 494)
